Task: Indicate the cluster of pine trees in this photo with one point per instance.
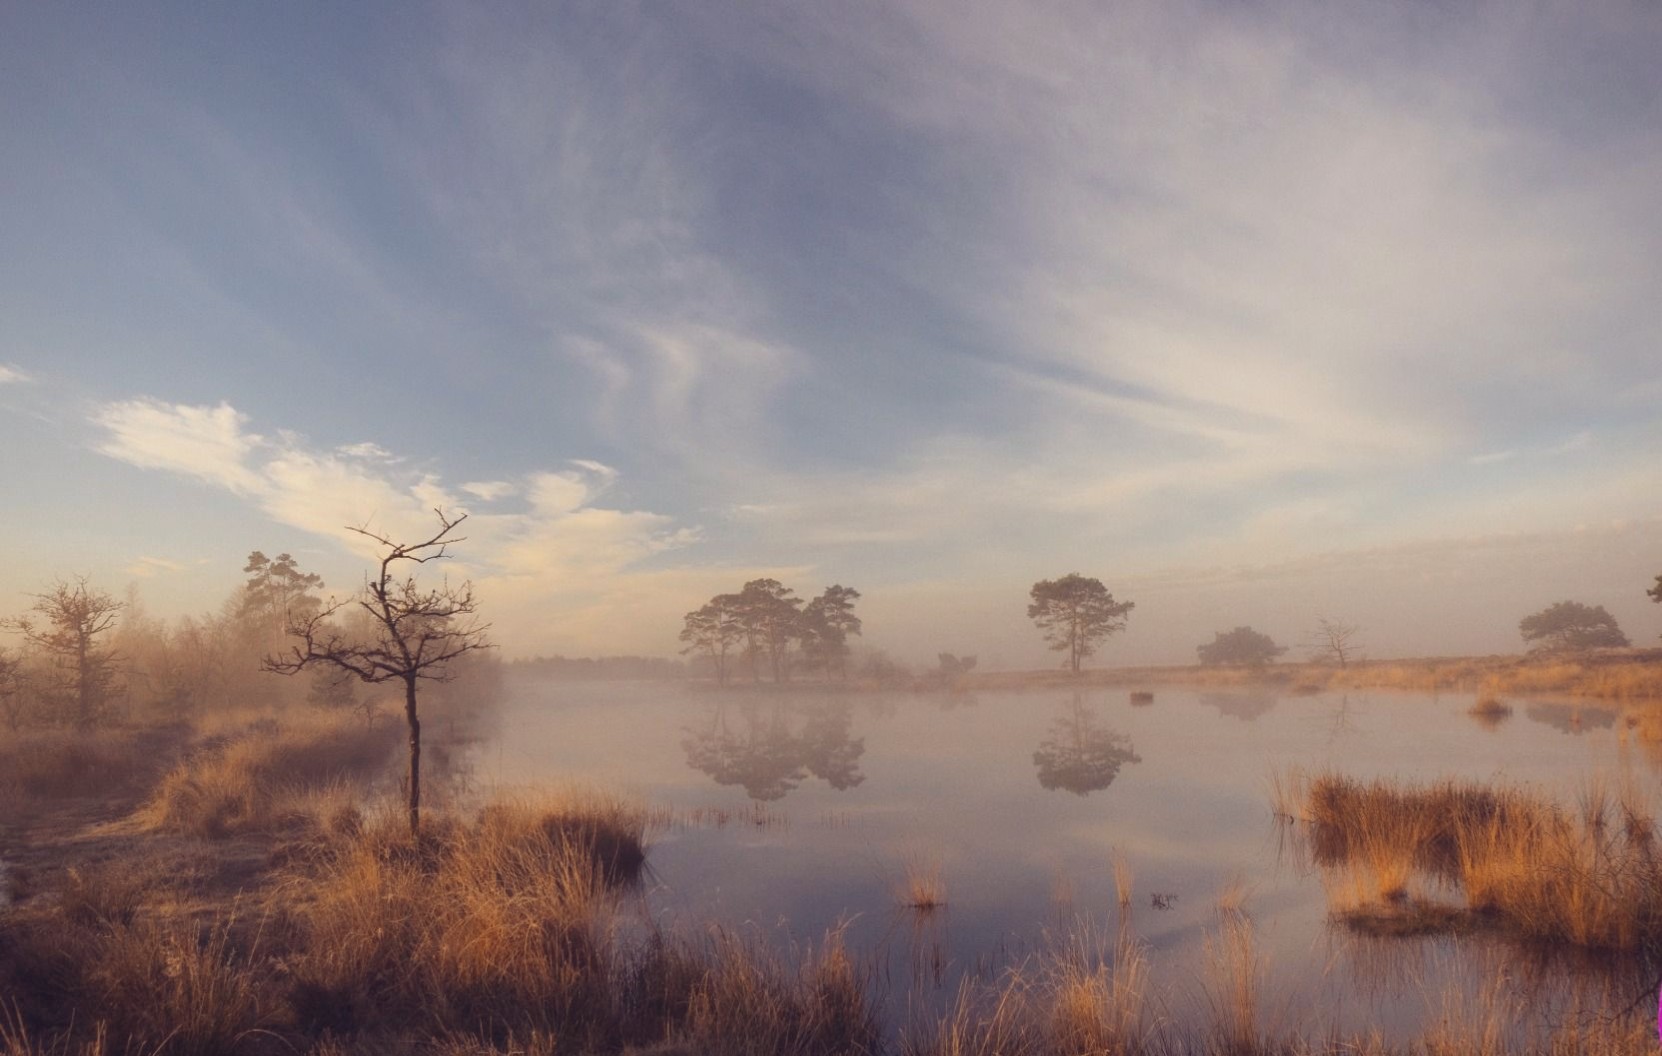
(766, 623)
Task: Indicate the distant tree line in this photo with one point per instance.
(766, 625)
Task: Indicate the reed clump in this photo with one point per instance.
(922, 887)
(744, 998)
(1588, 876)
(503, 921)
(1082, 994)
(512, 925)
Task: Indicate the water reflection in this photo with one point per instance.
(962, 780)
(770, 747)
(1081, 755)
(1244, 706)
(1571, 718)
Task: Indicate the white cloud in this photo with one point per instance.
(367, 450)
(558, 564)
(207, 443)
(10, 375)
(489, 490)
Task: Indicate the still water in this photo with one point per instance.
(800, 811)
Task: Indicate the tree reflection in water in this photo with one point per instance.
(762, 749)
(1081, 755)
(1244, 706)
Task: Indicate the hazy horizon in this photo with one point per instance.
(1255, 314)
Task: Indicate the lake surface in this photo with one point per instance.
(799, 811)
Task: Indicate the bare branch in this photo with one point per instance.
(413, 635)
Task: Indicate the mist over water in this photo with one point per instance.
(788, 813)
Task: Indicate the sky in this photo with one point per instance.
(1255, 312)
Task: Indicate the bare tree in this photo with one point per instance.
(1336, 641)
(413, 633)
(87, 672)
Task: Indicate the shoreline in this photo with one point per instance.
(1618, 676)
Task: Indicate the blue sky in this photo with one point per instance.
(1256, 312)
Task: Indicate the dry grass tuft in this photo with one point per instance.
(508, 927)
(502, 923)
(246, 781)
(1124, 878)
(1233, 895)
(1590, 877)
(923, 888)
(1082, 995)
(54, 764)
(1236, 975)
(748, 1000)
(167, 989)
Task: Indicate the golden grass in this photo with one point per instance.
(504, 929)
(16, 1040)
(922, 887)
(748, 999)
(1622, 675)
(168, 989)
(242, 781)
(1233, 894)
(1081, 995)
(502, 922)
(1615, 675)
(1588, 877)
(508, 925)
(1124, 879)
(1235, 979)
(42, 764)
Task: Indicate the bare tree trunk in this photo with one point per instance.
(415, 755)
(83, 685)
